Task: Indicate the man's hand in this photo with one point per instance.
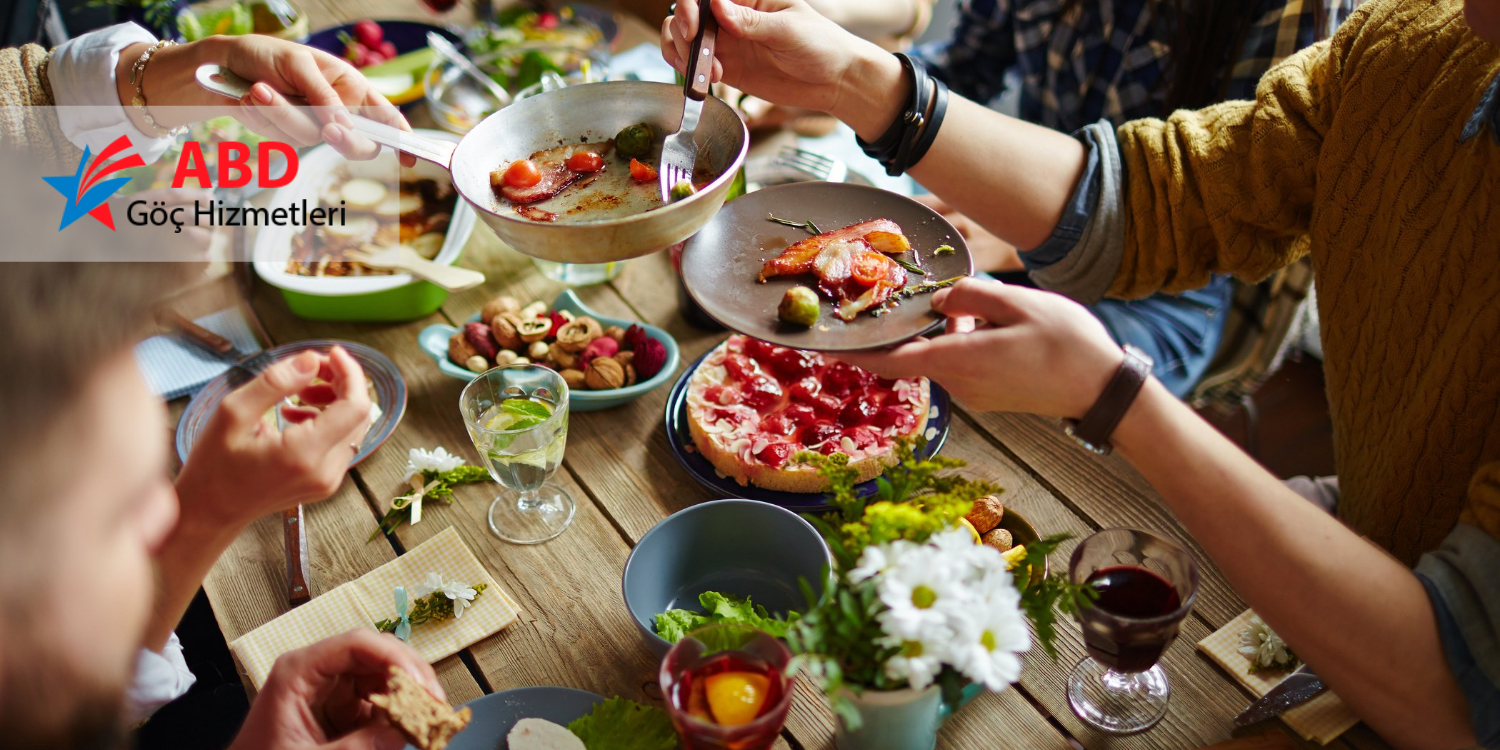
(990, 252)
(242, 467)
(1033, 351)
(316, 697)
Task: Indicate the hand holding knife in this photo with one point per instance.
(1299, 687)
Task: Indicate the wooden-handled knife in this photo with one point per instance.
(298, 592)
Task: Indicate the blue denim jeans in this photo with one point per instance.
(1179, 332)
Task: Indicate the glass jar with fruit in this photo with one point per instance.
(727, 687)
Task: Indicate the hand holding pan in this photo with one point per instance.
(586, 113)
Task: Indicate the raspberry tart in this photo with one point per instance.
(752, 406)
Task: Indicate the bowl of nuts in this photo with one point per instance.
(606, 361)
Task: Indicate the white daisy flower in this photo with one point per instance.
(433, 583)
(1264, 648)
(987, 645)
(920, 659)
(919, 587)
(878, 558)
(438, 459)
(462, 596)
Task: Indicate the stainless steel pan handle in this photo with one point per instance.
(225, 82)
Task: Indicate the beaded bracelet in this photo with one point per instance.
(137, 79)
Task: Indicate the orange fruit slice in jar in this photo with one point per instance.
(736, 698)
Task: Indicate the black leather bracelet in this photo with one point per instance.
(917, 122)
(930, 128)
(884, 148)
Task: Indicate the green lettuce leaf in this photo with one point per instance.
(621, 724)
(674, 624)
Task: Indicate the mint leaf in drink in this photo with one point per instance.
(525, 407)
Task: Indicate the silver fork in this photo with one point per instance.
(680, 148)
(814, 164)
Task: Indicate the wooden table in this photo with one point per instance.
(575, 630)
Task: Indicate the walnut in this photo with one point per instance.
(998, 538)
(460, 350)
(615, 332)
(605, 373)
(579, 333)
(477, 363)
(575, 379)
(561, 357)
(537, 350)
(986, 514)
(498, 306)
(506, 328)
(629, 371)
(535, 329)
(626, 357)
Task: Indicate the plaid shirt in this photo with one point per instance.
(1105, 60)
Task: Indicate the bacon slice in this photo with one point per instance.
(799, 256)
(895, 278)
(552, 163)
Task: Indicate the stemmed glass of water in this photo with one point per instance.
(517, 416)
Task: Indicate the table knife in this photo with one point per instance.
(1297, 688)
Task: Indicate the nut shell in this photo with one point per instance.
(579, 333)
(575, 379)
(615, 332)
(536, 309)
(506, 328)
(562, 358)
(986, 513)
(624, 359)
(998, 538)
(459, 349)
(498, 306)
(477, 363)
(535, 329)
(604, 373)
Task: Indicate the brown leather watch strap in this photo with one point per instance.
(1096, 427)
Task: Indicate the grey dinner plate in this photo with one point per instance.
(721, 262)
(496, 713)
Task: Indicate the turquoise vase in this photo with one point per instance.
(899, 719)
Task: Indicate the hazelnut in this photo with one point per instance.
(506, 328)
(986, 514)
(477, 363)
(605, 373)
(537, 350)
(521, 361)
(579, 333)
(998, 538)
(536, 309)
(460, 350)
(626, 357)
(535, 329)
(561, 357)
(575, 379)
(506, 357)
(497, 306)
(615, 332)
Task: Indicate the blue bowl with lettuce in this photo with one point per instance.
(723, 561)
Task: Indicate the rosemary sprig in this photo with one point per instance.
(434, 607)
(807, 226)
(914, 268)
(442, 490)
(912, 291)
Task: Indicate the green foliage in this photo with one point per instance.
(1042, 601)
(622, 724)
(434, 607)
(718, 608)
(443, 490)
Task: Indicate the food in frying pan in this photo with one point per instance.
(853, 264)
(415, 214)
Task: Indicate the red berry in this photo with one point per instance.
(603, 346)
(862, 436)
(841, 379)
(828, 407)
(779, 424)
(712, 394)
(805, 390)
(482, 339)
(791, 364)
(387, 50)
(894, 416)
(816, 433)
(739, 367)
(758, 349)
(558, 321)
(650, 357)
(800, 415)
(369, 33)
(546, 21)
(762, 393)
(776, 454)
(634, 335)
(858, 411)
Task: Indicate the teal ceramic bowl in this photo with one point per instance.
(434, 341)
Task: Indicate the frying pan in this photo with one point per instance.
(591, 112)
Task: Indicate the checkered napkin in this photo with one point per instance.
(174, 367)
(362, 602)
(1321, 719)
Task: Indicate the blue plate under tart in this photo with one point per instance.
(939, 419)
(390, 395)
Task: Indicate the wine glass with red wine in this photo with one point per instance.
(1146, 586)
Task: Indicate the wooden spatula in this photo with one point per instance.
(405, 259)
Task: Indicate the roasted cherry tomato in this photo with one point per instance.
(642, 172)
(869, 268)
(522, 173)
(585, 161)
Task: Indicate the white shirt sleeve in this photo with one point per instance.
(160, 678)
(82, 73)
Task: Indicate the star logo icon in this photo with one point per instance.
(86, 190)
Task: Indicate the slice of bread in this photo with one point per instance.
(427, 722)
(540, 734)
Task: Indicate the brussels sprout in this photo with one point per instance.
(682, 190)
(799, 306)
(634, 141)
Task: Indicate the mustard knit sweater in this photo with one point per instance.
(1351, 153)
